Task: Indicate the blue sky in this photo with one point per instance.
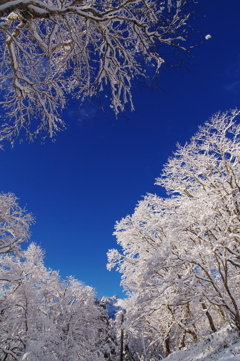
(100, 167)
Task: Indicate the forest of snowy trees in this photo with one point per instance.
(179, 256)
(43, 317)
(179, 260)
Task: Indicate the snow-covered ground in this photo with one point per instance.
(223, 345)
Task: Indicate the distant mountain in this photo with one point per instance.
(113, 305)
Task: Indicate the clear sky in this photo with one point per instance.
(100, 167)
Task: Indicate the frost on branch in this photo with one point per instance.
(52, 48)
(14, 224)
(45, 318)
(180, 255)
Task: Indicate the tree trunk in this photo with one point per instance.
(121, 340)
(167, 346)
(210, 320)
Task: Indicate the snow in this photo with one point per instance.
(208, 36)
(9, 278)
(10, 4)
(113, 305)
(223, 345)
(37, 9)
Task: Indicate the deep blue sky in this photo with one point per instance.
(97, 170)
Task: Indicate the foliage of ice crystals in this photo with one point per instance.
(50, 49)
(180, 255)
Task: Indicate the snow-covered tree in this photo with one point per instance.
(42, 317)
(24, 311)
(180, 255)
(206, 174)
(46, 319)
(14, 223)
(51, 48)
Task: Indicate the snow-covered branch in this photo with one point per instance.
(50, 49)
(14, 223)
(183, 252)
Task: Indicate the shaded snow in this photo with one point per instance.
(223, 345)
